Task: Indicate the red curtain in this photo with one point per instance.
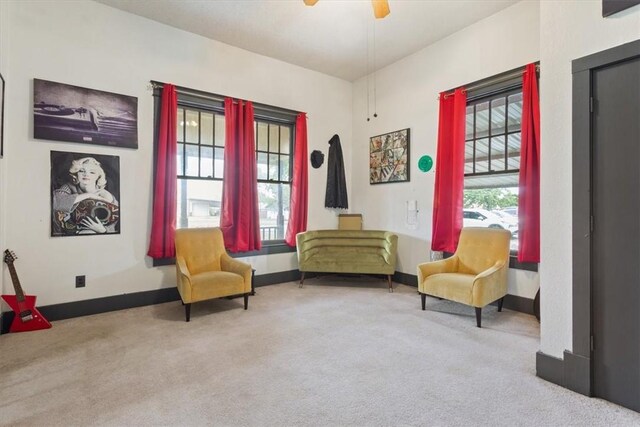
(449, 185)
(239, 220)
(163, 225)
(529, 192)
(299, 184)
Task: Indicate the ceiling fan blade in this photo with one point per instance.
(310, 2)
(380, 8)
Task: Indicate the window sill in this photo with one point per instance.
(267, 249)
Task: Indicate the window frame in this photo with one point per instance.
(204, 101)
(487, 94)
(489, 98)
(268, 180)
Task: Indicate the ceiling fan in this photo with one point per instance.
(380, 7)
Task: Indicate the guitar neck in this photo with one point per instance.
(16, 282)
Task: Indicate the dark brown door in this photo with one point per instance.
(616, 235)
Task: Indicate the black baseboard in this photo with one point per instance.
(137, 299)
(405, 279)
(572, 372)
(511, 302)
(577, 373)
(279, 277)
(550, 368)
(88, 307)
(516, 303)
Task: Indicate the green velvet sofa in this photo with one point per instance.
(347, 251)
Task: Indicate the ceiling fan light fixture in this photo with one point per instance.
(380, 8)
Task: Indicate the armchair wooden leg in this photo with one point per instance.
(500, 304)
(187, 311)
(301, 279)
(246, 301)
(423, 297)
(390, 283)
(478, 316)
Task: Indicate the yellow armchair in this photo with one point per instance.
(205, 270)
(475, 275)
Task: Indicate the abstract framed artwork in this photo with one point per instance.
(63, 112)
(85, 194)
(389, 157)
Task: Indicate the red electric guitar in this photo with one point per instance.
(27, 317)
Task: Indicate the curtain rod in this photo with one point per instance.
(220, 98)
(491, 81)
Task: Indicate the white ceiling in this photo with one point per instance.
(334, 37)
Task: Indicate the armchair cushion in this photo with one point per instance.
(213, 284)
(452, 286)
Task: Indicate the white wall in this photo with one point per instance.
(92, 45)
(4, 65)
(407, 97)
(568, 30)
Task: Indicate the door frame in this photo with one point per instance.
(580, 374)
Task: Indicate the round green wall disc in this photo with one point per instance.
(425, 163)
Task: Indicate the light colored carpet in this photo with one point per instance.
(340, 351)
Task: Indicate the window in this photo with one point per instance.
(273, 152)
(492, 161)
(200, 157)
(200, 167)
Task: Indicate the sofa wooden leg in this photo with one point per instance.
(500, 304)
(187, 311)
(390, 283)
(423, 297)
(478, 317)
(246, 301)
(301, 279)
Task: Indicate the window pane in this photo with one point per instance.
(198, 203)
(191, 125)
(180, 126)
(515, 112)
(482, 155)
(219, 163)
(274, 138)
(497, 116)
(220, 130)
(192, 160)
(262, 166)
(206, 128)
(468, 157)
(262, 136)
(514, 151)
(285, 139)
(469, 132)
(497, 153)
(180, 159)
(284, 168)
(482, 119)
(273, 201)
(492, 206)
(206, 162)
(273, 166)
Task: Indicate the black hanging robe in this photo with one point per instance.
(336, 196)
